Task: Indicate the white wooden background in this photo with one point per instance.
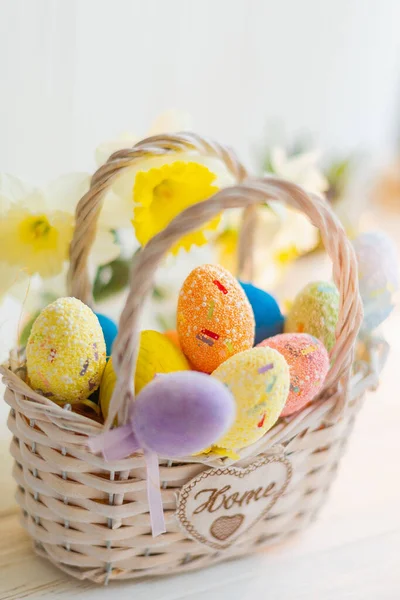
(76, 72)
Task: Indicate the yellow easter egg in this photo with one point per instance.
(214, 318)
(66, 352)
(259, 380)
(157, 354)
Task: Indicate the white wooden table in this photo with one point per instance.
(351, 552)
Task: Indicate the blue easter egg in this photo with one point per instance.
(268, 317)
(110, 331)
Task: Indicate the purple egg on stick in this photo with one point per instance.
(175, 415)
(182, 413)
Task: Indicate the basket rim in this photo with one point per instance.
(365, 376)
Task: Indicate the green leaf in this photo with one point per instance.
(23, 338)
(111, 279)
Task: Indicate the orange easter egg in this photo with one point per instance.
(215, 319)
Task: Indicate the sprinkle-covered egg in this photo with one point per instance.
(182, 413)
(157, 354)
(259, 381)
(110, 331)
(66, 352)
(378, 276)
(315, 310)
(215, 319)
(308, 362)
(268, 317)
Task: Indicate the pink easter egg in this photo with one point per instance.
(308, 362)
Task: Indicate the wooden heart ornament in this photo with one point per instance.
(219, 505)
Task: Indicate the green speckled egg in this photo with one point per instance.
(315, 310)
(66, 352)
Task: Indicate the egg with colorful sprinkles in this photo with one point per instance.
(214, 319)
(259, 380)
(268, 317)
(378, 276)
(308, 362)
(315, 310)
(157, 354)
(66, 352)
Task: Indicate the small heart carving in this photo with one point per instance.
(221, 504)
(223, 527)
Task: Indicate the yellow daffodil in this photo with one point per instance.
(117, 201)
(161, 193)
(37, 225)
(162, 186)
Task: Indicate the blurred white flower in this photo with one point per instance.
(118, 205)
(295, 236)
(300, 168)
(36, 228)
(282, 233)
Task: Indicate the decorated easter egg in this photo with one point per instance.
(308, 362)
(215, 319)
(66, 352)
(315, 310)
(110, 331)
(378, 276)
(259, 381)
(157, 354)
(267, 314)
(182, 413)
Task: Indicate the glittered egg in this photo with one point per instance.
(259, 381)
(378, 276)
(308, 362)
(66, 352)
(157, 354)
(315, 310)
(268, 317)
(182, 413)
(109, 329)
(215, 319)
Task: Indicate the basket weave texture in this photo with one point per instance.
(90, 517)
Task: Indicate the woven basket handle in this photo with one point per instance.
(250, 193)
(89, 207)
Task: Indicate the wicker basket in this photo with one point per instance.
(89, 517)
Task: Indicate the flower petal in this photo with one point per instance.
(104, 249)
(65, 192)
(105, 149)
(171, 121)
(14, 189)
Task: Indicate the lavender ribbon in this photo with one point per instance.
(120, 443)
(154, 493)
